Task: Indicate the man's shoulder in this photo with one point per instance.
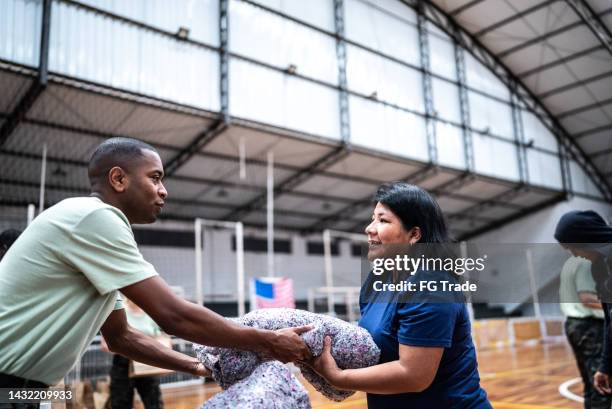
(87, 210)
(576, 264)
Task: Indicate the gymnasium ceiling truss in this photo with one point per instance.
(474, 203)
(38, 84)
(578, 101)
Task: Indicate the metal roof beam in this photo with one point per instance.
(214, 155)
(357, 205)
(513, 17)
(292, 181)
(593, 131)
(560, 61)
(538, 39)
(185, 202)
(604, 152)
(593, 22)
(180, 178)
(519, 215)
(195, 146)
(466, 40)
(39, 83)
(466, 6)
(579, 110)
(576, 84)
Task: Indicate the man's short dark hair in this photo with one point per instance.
(8, 237)
(113, 152)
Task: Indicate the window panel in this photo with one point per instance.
(494, 157)
(319, 13)
(394, 7)
(534, 129)
(383, 128)
(266, 37)
(441, 54)
(450, 145)
(581, 183)
(133, 59)
(544, 169)
(446, 100)
(268, 96)
(490, 116)
(392, 82)
(200, 17)
(20, 24)
(481, 78)
(373, 26)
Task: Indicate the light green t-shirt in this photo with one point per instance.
(59, 282)
(143, 323)
(576, 277)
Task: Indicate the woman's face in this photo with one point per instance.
(385, 229)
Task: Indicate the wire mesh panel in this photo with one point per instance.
(14, 217)
(95, 365)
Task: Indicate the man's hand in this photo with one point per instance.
(601, 382)
(201, 370)
(325, 364)
(286, 345)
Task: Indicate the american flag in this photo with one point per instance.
(272, 292)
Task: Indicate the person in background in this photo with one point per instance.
(7, 238)
(584, 324)
(588, 235)
(122, 385)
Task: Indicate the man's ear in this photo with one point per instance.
(118, 180)
(414, 235)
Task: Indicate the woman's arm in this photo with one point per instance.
(413, 372)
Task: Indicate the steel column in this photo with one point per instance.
(519, 136)
(224, 59)
(464, 107)
(345, 129)
(430, 113)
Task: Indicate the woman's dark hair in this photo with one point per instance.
(414, 207)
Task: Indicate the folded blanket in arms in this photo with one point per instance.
(247, 380)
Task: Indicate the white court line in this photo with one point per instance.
(565, 392)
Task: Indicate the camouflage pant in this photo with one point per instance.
(122, 387)
(586, 338)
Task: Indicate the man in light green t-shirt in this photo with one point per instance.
(60, 282)
(584, 324)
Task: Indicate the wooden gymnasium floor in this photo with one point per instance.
(520, 377)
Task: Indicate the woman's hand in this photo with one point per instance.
(325, 365)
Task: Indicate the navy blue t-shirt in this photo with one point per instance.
(427, 324)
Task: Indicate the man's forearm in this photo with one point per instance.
(142, 348)
(203, 326)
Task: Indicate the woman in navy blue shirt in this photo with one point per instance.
(428, 358)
